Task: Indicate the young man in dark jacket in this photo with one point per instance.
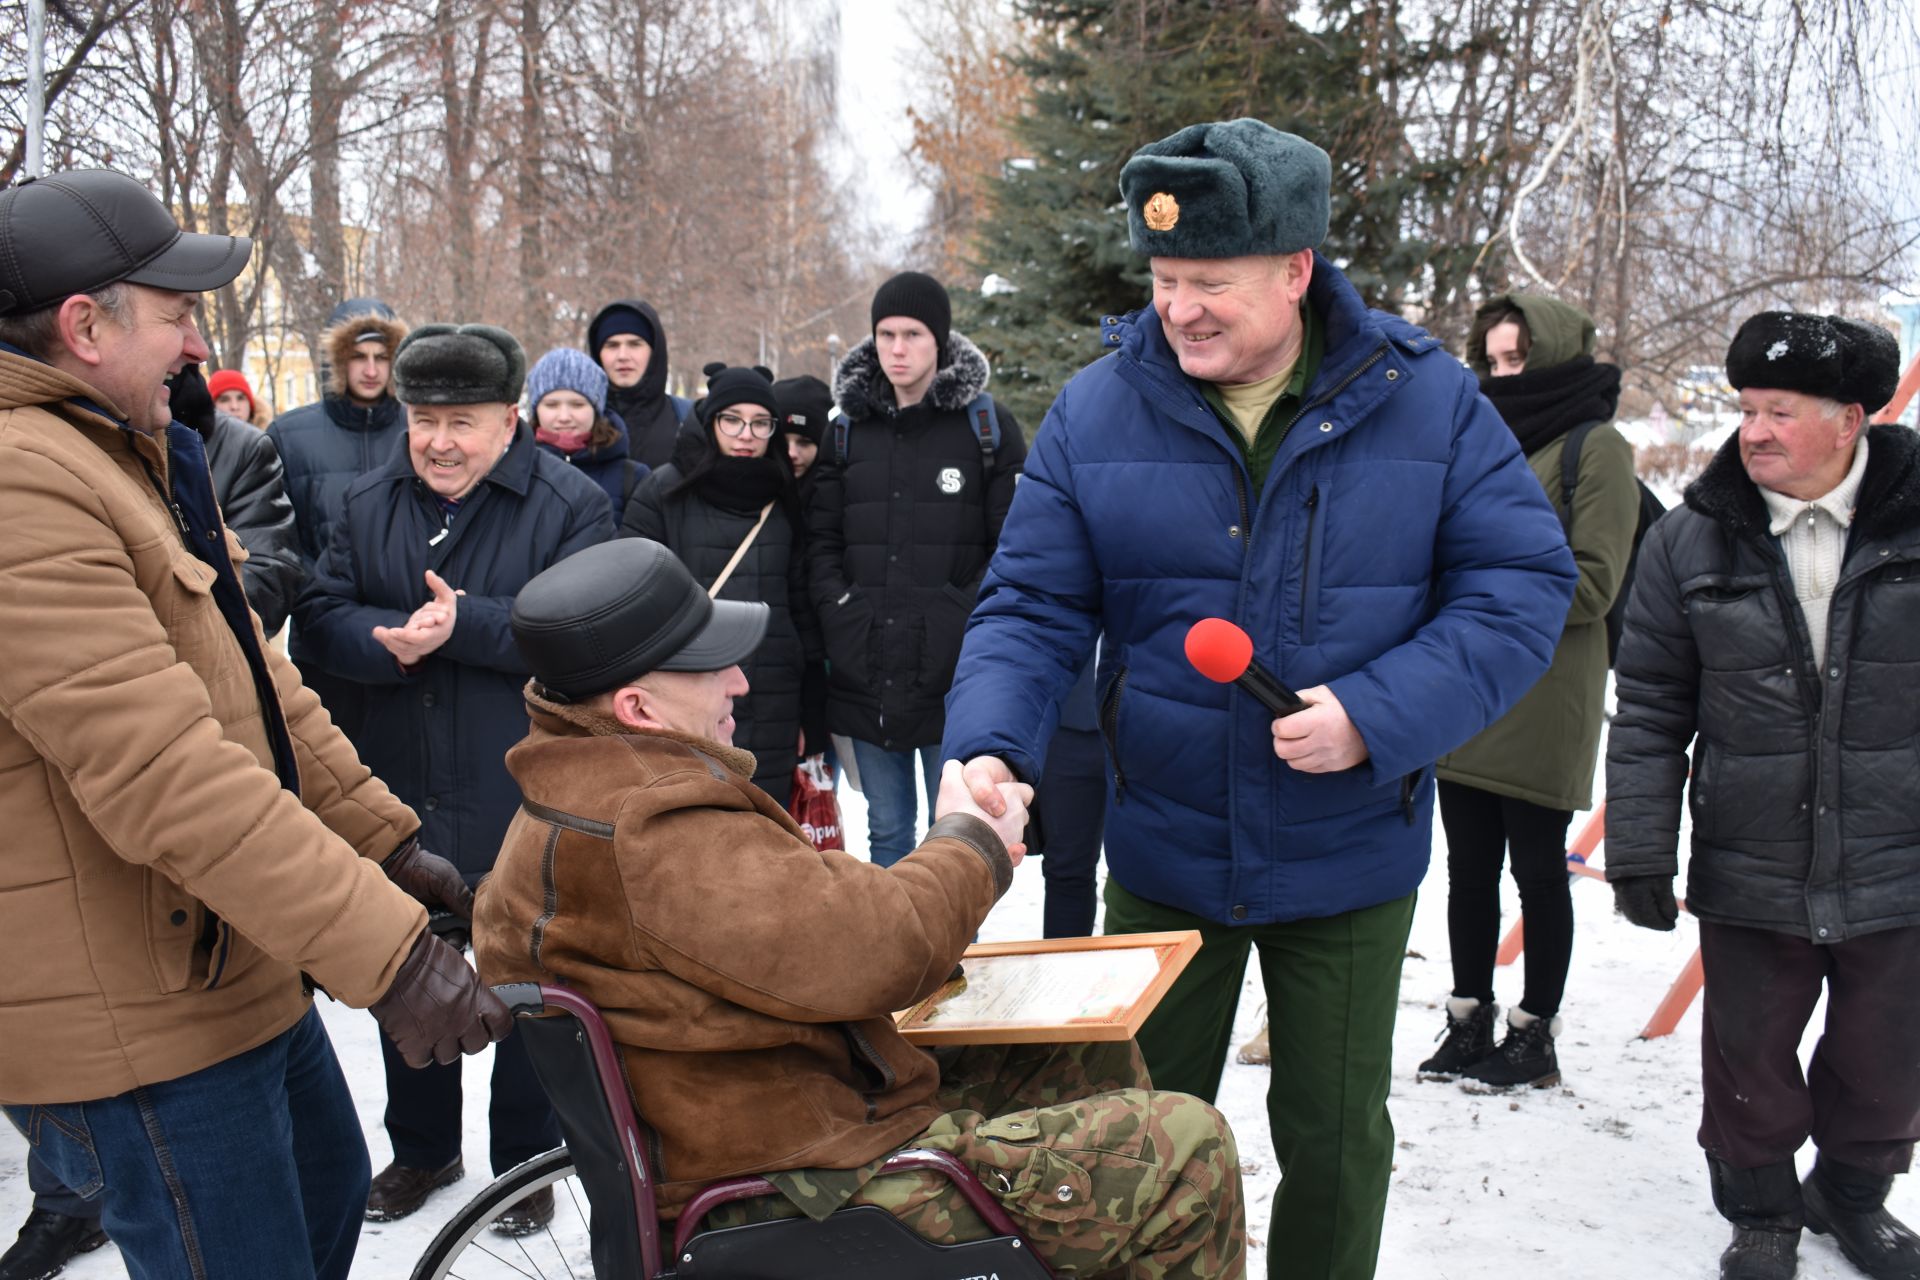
(1262, 447)
(411, 601)
(1771, 628)
(630, 343)
(903, 519)
(327, 445)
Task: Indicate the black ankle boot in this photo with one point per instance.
(1849, 1204)
(1524, 1059)
(1764, 1207)
(1467, 1039)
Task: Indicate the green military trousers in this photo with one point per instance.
(1103, 1174)
(1333, 987)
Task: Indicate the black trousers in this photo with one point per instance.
(1072, 797)
(1859, 1099)
(424, 1103)
(1482, 828)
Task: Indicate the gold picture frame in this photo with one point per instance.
(1054, 990)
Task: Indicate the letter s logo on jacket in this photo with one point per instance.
(950, 480)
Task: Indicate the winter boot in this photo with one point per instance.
(1467, 1039)
(1525, 1057)
(1849, 1204)
(1764, 1207)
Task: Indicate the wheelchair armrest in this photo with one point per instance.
(523, 999)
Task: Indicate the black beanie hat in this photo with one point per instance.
(732, 385)
(805, 404)
(918, 297)
(1827, 356)
(618, 319)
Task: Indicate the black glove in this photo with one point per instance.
(1646, 901)
(430, 878)
(437, 1007)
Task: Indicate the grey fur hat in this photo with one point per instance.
(459, 364)
(1828, 356)
(1226, 190)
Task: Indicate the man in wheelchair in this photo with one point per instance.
(749, 979)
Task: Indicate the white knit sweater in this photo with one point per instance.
(1813, 536)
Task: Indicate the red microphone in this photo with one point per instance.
(1223, 653)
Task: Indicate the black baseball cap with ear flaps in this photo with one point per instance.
(611, 613)
(76, 232)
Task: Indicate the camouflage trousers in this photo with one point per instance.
(1101, 1173)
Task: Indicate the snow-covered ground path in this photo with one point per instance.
(1599, 1179)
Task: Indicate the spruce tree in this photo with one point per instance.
(1109, 76)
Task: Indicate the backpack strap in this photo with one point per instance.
(985, 416)
(840, 425)
(1570, 471)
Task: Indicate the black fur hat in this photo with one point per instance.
(1827, 356)
(459, 364)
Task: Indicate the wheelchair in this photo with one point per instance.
(605, 1224)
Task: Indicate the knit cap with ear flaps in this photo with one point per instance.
(1227, 189)
(731, 385)
(459, 364)
(1828, 356)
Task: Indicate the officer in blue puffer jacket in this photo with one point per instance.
(1263, 448)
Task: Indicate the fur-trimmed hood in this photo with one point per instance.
(338, 343)
(861, 388)
(1889, 499)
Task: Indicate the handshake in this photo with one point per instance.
(985, 788)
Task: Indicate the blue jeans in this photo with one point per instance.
(52, 1195)
(251, 1167)
(886, 779)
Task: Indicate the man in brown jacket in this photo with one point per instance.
(186, 832)
(750, 978)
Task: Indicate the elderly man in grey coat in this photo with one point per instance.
(1773, 628)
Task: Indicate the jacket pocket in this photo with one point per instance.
(60, 1136)
(1085, 1187)
(1110, 728)
(846, 631)
(174, 922)
(1312, 555)
(946, 613)
(1700, 790)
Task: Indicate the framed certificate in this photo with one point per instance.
(1056, 990)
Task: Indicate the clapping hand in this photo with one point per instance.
(429, 626)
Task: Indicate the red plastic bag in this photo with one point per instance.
(814, 805)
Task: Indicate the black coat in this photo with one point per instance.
(901, 530)
(1803, 777)
(438, 735)
(704, 534)
(608, 466)
(249, 483)
(326, 446)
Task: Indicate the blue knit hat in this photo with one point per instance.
(565, 369)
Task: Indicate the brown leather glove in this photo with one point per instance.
(1646, 901)
(429, 878)
(437, 1008)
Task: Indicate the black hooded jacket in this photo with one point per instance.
(652, 417)
(703, 521)
(900, 532)
(1802, 774)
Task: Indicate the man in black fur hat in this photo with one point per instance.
(1772, 627)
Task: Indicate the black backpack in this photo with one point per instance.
(1651, 509)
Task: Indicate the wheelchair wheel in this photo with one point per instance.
(469, 1247)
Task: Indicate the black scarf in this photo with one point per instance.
(744, 484)
(1541, 405)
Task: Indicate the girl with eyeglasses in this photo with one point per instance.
(728, 496)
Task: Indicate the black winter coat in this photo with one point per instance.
(325, 447)
(901, 530)
(248, 482)
(1804, 780)
(438, 735)
(705, 535)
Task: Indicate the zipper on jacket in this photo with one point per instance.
(1246, 517)
(1345, 382)
(1309, 635)
(1110, 730)
(1407, 785)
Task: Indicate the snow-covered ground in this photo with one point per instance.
(1599, 1179)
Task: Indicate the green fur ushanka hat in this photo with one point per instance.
(1227, 190)
(459, 364)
